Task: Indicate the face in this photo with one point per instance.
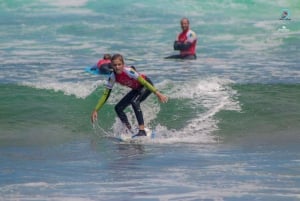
(184, 24)
(118, 65)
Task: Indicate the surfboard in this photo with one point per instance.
(93, 71)
(130, 139)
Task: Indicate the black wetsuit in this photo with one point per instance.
(133, 98)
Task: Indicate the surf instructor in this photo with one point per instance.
(141, 87)
(185, 42)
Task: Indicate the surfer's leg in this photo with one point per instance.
(136, 104)
(142, 94)
(123, 103)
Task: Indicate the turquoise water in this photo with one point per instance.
(230, 130)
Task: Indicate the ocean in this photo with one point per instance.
(230, 130)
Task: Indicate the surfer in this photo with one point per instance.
(141, 87)
(185, 42)
(104, 64)
(285, 15)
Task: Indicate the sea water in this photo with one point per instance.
(230, 130)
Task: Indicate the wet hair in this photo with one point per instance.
(185, 18)
(106, 56)
(118, 56)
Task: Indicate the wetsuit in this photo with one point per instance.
(104, 66)
(141, 88)
(186, 43)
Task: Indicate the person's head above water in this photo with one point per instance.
(106, 56)
(185, 24)
(117, 62)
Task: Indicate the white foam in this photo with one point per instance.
(214, 94)
(69, 3)
(80, 89)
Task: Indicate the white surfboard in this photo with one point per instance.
(130, 139)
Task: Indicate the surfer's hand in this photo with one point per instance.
(162, 98)
(94, 116)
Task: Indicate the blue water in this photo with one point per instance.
(230, 130)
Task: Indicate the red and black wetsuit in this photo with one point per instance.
(104, 66)
(141, 87)
(186, 43)
(190, 37)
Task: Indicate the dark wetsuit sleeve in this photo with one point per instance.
(103, 99)
(181, 46)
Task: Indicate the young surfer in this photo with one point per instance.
(141, 87)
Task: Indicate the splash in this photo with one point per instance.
(213, 94)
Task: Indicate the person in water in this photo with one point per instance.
(285, 15)
(186, 42)
(141, 87)
(104, 64)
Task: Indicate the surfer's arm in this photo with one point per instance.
(162, 98)
(103, 99)
(106, 92)
(146, 84)
(100, 103)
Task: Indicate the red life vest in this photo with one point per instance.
(128, 78)
(183, 37)
(103, 61)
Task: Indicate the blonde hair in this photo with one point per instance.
(118, 57)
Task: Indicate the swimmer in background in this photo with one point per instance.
(285, 15)
(104, 64)
(186, 42)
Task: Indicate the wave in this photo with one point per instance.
(211, 111)
(268, 115)
(46, 45)
(188, 113)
